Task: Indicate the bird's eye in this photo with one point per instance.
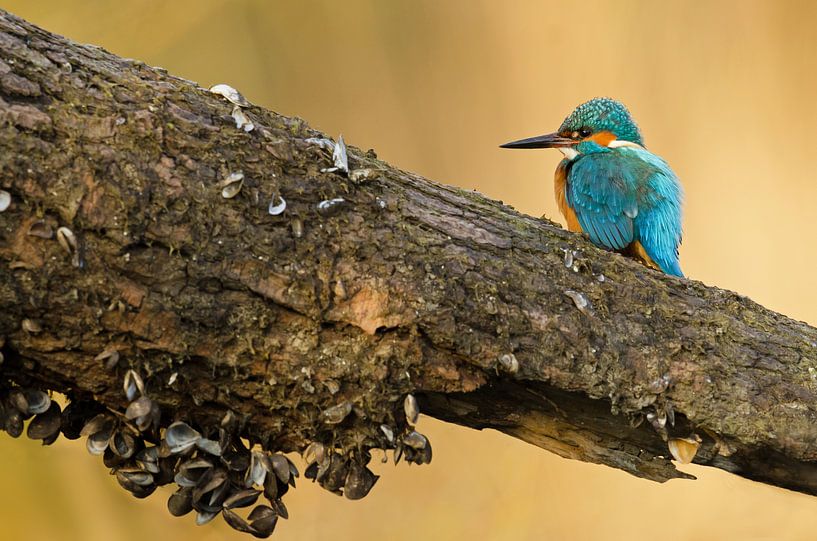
(585, 132)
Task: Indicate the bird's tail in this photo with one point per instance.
(672, 267)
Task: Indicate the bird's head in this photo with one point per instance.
(600, 122)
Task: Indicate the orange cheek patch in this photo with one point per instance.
(602, 138)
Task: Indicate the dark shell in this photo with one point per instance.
(14, 423)
(419, 456)
(311, 471)
(45, 425)
(237, 459)
(203, 517)
(142, 492)
(102, 423)
(242, 498)
(263, 520)
(111, 459)
(148, 460)
(335, 477)
(18, 399)
(415, 440)
(280, 465)
(192, 471)
(135, 477)
(236, 522)
(52, 438)
(337, 414)
(122, 444)
(180, 502)
(210, 491)
(359, 481)
(30, 401)
(271, 484)
(280, 508)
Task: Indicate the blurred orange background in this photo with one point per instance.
(725, 91)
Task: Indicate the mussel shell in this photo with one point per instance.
(45, 425)
(415, 440)
(260, 465)
(203, 517)
(263, 519)
(280, 508)
(211, 447)
(97, 443)
(208, 486)
(191, 472)
(134, 477)
(140, 407)
(122, 444)
(102, 422)
(359, 481)
(180, 502)
(336, 414)
(335, 477)
(133, 384)
(112, 460)
(242, 498)
(148, 460)
(236, 522)
(236, 459)
(142, 492)
(5, 200)
(412, 410)
(180, 437)
(232, 185)
(14, 423)
(17, 399)
(51, 439)
(281, 467)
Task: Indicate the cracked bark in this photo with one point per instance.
(404, 286)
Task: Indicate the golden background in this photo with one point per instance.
(725, 91)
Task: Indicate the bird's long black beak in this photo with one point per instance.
(551, 140)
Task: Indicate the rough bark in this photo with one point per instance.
(401, 286)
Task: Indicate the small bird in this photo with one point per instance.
(611, 188)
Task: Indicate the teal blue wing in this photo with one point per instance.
(628, 195)
(658, 224)
(602, 193)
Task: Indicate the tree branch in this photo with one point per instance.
(313, 324)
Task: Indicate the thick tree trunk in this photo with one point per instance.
(367, 287)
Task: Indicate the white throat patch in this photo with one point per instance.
(569, 152)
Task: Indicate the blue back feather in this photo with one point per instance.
(627, 194)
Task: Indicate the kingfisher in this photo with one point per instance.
(611, 188)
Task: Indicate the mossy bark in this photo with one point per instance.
(403, 286)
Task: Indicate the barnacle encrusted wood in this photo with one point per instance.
(303, 303)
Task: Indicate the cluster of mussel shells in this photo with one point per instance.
(347, 473)
(216, 472)
(340, 473)
(214, 476)
(47, 419)
(219, 474)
